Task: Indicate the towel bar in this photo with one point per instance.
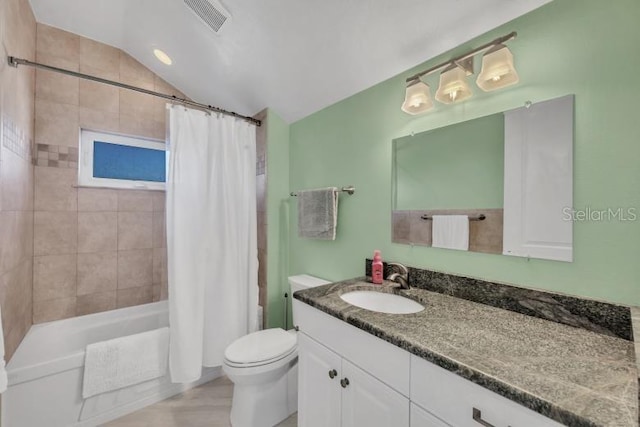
(349, 190)
(480, 217)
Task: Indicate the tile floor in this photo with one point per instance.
(204, 406)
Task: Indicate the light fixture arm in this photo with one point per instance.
(459, 60)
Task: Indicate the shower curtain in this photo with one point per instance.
(211, 238)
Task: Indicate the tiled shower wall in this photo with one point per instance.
(94, 249)
(261, 205)
(17, 38)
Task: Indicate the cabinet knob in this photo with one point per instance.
(477, 417)
(344, 382)
(333, 373)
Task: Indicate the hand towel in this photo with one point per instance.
(450, 232)
(121, 362)
(3, 369)
(318, 213)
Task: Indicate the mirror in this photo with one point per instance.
(510, 173)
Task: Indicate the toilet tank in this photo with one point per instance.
(304, 281)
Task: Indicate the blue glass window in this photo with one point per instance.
(125, 162)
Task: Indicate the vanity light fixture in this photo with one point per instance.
(497, 72)
(453, 85)
(162, 57)
(417, 98)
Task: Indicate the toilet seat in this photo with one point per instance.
(262, 363)
(260, 348)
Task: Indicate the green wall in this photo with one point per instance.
(460, 166)
(585, 47)
(277, 218)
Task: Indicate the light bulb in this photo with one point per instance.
(416, 101)
(453, 85)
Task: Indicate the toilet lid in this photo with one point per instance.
(260, 346)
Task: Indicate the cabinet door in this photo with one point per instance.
(366, 401)
(422, 418)
(318, 393)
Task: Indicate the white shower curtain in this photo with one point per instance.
(211, 237)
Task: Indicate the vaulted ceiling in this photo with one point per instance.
(295, 56)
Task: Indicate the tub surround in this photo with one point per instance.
(261, 209)
(574, 375)
(596, 316)
(17, 110)
(95, 249)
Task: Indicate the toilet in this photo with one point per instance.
(263, 367)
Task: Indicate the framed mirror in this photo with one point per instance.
(508, 176)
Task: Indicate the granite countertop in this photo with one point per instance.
(572, 375)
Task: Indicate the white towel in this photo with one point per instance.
(3, 369)
(450, 232)
(121, 362)
(318, 213)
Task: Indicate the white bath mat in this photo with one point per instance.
(125, 361)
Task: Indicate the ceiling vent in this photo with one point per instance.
(211, 13)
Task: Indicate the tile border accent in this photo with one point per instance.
(56, 156)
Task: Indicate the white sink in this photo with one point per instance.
(381, 302)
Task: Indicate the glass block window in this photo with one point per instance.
(116, 161)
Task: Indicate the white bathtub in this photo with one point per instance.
(45, 373)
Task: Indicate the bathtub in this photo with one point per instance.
(45, 373)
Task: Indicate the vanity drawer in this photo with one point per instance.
(422, 418)
(453, 399)
(388, 363)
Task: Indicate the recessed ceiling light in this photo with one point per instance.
(162, 57)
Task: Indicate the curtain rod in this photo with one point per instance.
(14, 62)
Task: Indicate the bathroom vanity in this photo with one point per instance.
(456, 363)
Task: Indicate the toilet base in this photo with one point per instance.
(266, 404)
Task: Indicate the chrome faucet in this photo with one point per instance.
(402, 277)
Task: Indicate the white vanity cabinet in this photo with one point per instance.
(366, 401)
(350, 378)
(453, 399)
(334, 392)
(319, 374)
(422, 418)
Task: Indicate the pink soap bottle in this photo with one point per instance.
(377, 275)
